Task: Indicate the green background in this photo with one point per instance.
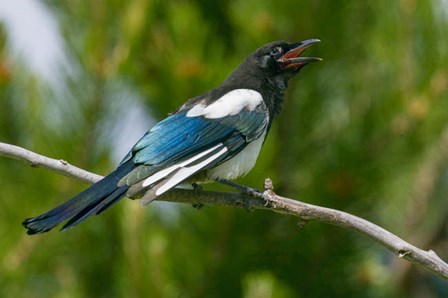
(364, 131)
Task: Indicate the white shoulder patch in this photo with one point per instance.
(197, 110)
(229, 104)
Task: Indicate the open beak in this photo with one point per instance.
(291, 59)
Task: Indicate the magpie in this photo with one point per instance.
(216, 136)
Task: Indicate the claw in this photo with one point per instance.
(198, 190)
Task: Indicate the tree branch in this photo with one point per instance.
(268, 200)
(40, 161)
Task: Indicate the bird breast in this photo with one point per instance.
(240, 164)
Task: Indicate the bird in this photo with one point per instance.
(215, 137)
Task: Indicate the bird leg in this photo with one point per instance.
(198, 190)
(248, 190)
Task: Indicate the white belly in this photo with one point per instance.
(240, 164)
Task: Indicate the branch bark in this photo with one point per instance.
(268, 200)
(40, 161)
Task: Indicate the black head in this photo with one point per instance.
(273, 64)
(268, 69)
(282, 58)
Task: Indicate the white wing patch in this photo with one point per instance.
(165, 172)
(177, 173)
(186, 172)
(229, 104)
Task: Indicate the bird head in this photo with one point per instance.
(282, 59)
(267, 70)
(272, 65)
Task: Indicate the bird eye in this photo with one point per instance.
(276, 52)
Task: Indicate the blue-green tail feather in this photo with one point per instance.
(93, 200)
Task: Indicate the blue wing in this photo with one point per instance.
(181, 146)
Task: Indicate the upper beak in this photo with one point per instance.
(291, 59)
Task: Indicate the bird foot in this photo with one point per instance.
(198, 190)
(253, 192)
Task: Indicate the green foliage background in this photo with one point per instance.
(364, 131)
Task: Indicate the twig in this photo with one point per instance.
(268, 200)
(40, 161)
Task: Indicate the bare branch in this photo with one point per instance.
(40, 161)
(266, 201)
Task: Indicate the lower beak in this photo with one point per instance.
(292, 60)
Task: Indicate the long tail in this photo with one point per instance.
(93, 200)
